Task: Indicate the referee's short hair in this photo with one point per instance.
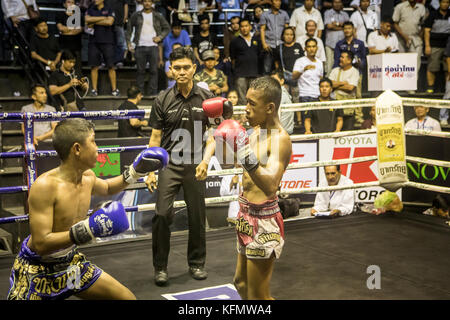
(181, 53)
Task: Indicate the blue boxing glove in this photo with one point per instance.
(151, 159)
(109, 220)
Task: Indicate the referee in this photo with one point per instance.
(179, 125)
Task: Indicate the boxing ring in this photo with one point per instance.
(218, 237)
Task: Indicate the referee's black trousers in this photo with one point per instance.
(169, 182)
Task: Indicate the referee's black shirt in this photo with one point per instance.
(182, 122)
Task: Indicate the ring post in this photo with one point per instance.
(30, 151)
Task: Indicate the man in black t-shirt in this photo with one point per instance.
(320, 121)
(204, 40)
(244, 54)
(101, 43)
(44, 47)
(131, 127)
(70, 30)
(67, 85)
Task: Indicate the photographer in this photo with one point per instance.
(67, 85)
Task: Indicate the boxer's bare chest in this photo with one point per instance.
(71, 204)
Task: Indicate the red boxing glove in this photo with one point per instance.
(236, 136)
(217, 107)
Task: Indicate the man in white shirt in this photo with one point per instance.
(339, 202)
(311, 27)
(365, 21)
(303, 14)
(383, 41)
(308, 70)
(423, 121)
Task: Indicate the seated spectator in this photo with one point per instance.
(311, 27)
(204, 40)
(334, 203)
(149, 28)
(131, 127)
(43, 130)
(176, 35)
(66, 83)
(216, 79)
(286, 117)
(383, 41)
(171, 80)
(44, 47)
(371, 122)
(439, 208)
(345, 80)
(422, 120)
(70, 33)
(320, 121)
(17, 12)
(101, 44)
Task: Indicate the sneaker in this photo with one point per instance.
(198, 273)
(94, 93)
(161, 277)
(116, 93)
(444, 122)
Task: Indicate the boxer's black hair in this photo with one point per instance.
(270, 88)
(68, 132)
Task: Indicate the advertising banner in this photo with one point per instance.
(395, 71)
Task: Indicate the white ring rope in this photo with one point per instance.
(432, 162)
(428, 187)
(440, 134)
(327, 135)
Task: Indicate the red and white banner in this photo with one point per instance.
(301, 178)
(352, 147)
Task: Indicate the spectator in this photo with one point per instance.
(223, 65)
(70, 34)
(204, 40)
(171, 79)
(345, 81)
(443, 113)
(120, 9)
(408, 18)
(286, 54)
(228, 4)
(257, 13)
(229, 33)
(244, 53)
(131, 127)
(286, 117)
(422, 120)
(150, 28)
(334, 203)
(178, 35)
(101, 44)
(234, 99)
(311, 27)
(231, 185)
(304, 14)
(383, 41)
(43, 130)
(216, 79)
(17, 12)
(66, 83)
(308, 70)
(44, 47)
(272, 24)
(349, 43)
(334, 23)
(365, 21)
(372, 122)
(437, 31)
(320, 121)
(204, 5)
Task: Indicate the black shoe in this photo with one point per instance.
(198, 273)
(161, 277)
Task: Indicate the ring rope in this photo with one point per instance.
(432, 162)
(327, 135)
(420, 132)
(427, 187)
